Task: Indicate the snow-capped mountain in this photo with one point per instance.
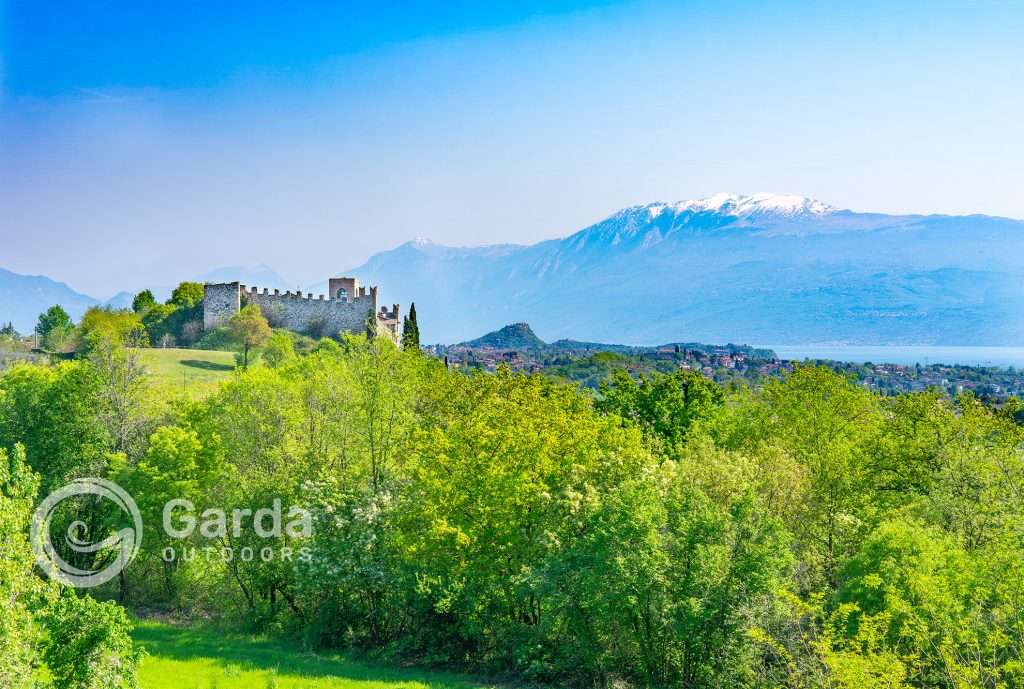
(761, 269)
(763, 204)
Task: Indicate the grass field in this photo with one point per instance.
(196, 658)
(193, 371)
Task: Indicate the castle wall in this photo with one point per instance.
(317, 316)
(304, 313)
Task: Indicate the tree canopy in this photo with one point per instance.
(55, 328)
(249, 329)
(187, 295)
(143, 301)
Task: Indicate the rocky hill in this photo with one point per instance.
(518, 336)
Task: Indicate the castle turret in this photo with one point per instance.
(343, 288)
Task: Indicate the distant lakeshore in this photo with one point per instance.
(908, 355)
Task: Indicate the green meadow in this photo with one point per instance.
(201, 658)
(193, 371)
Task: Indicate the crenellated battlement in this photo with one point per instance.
(344, 309)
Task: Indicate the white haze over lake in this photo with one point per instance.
(908, 355)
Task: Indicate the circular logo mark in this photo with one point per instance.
(124, 543)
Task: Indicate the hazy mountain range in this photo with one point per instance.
(24, 297)
(762, 269)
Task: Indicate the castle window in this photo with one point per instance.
(342, 294)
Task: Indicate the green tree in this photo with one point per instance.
(909, 590)
(55, 412)
(54, 317)
(175, 465)
(828, 426)
(249, 329)
(143, 301)
(122, 391)
(666, 405)
(159, 321)
(328, 346)
(103, 326)
(497, 495)
(279, 350)
(55, 328)
(187, 295)
(411, 331)
(371, 324)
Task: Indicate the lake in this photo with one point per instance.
(910, 354)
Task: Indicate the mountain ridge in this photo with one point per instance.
(24, 297)
(759, 268)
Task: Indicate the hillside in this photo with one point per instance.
(761, 269)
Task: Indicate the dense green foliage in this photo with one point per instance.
(666, 532)
(179, 321)
(102, 326)
(48, 637)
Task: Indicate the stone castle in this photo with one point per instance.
(345, 309)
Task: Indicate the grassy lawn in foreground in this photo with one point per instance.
(198, 658)
(194, 371)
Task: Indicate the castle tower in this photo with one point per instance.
(345, 289)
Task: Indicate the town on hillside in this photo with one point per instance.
(589, 364)
(198, 316)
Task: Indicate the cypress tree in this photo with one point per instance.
(371, 324)
(411, 331)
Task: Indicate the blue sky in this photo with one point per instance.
(170, 138)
